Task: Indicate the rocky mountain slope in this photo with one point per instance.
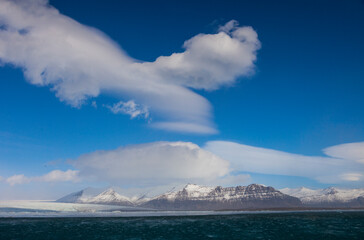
(195, 197)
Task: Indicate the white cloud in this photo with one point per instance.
(59, 176)
(53, 176)
(17, 179)
(152, 164)
(267, 161)
(80, 62)
(211, 60)
(130, 108)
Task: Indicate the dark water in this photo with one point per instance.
(327, 225)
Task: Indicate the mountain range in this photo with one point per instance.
(251, 197)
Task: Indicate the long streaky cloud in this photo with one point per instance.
(352, 151)
(343, 163)
(79, 62)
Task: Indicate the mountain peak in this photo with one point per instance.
(110, 196)
(331, 190)
(108, 192)
(256, 185)
(192, 187)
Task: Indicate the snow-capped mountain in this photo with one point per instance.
(328, 197)
(195, 197)
(254, 196)
(109, 196)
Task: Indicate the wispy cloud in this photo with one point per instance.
(352, 177)
(53, 176)
(130, 108)
(343, 164)
(80, 62)
(166, 164)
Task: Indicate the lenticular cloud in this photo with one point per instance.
(79, 62)
(152, 164)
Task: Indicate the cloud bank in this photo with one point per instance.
(167, 164)
(79, 62)
(344, 163)
(152, 164)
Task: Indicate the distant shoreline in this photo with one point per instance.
(159, 213)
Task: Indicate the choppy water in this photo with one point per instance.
(308, 225)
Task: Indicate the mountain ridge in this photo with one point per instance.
(196, 197)
(253, 196)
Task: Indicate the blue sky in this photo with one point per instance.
(302, 94)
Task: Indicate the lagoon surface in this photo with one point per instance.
(278, 225)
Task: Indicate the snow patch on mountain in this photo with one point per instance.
(327, 195)
(189, 191)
